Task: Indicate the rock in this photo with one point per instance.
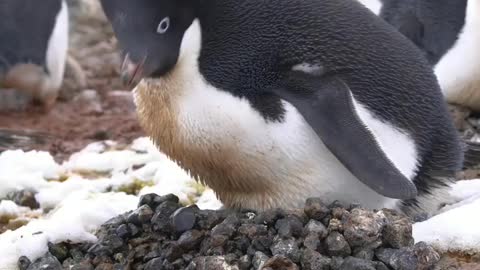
(190, 239)
(133, 230)
(113, 242)
(227, 227)
(336, 263)
(47, 262)
(426, 256)
(289, 226)
(183, 219)
(352, 263)
(104, 266)
(280, 262)
(59, 251)
(286, 247)
(154, 264)
(312, 241)
(161, 218)
(362, 227)
(259, 259)
(252, 230)
(208, 219)
(364, 253)
(122, 231)
(398, 259)
(335, 225)
(141, 215)
(23, 263)
(398, 230)
(245, 262)
(213, 263)
(312, 260)
(269, 217)
(316, 209)
(153, 200)
(317, 228)
(336, 245)
(24, 198)
(380, 266)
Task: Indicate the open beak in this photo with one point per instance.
(132, 73)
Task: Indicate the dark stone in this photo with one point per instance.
(380, 266)
(335, 225)
(141, 215)
(190, 240)
(398, 259)
(154, 264)
(362, 227)
(259, 259)
(122, 231)
(24, 198)
(23, 263)
(252, 230)
(280, 262)
(207, 219)
(286, 247)
(183, 219)
(47, 262)
(289, 226)
(104, 266)
(339, 213)
(336, 245)
(316, 209)
(153, 200)
(60, 250)
(227, 227)
(352, 263)
(99, 249)
(85, 265)
(245, 262)
(263, 243)
(312, 260)
(426, 255)
(161, 218)
(336, 263)
(173, 252)
(364, 253)
(114, 242)
(269, 217)
(312, 241)
(315, 227)
(398, 230)
(134, 230)
(211, 263)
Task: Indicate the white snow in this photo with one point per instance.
(10, 209)
(209, 200)
(457, 228)
(75, 219)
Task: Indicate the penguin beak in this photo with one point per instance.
(132, 73)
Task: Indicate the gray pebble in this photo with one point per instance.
(213, 263)
(398, 230)
(47, 262)
(153, 200)
(154, 264)
(160, 219)
(24, 198)
(269, 217)
(316, 227)
(141, 215)
(122, 231)
(259, 259)
(289, 226)
(279, 262)
(352, 263)
(335, 225)
(316, 209)
(312, 241)
(59, 251)
(190, 239)
(336, 263)
(286, 247)
(363, 227)
(312, 260)
(227, 227)
(252, 230)
(183, 219)
(398, 259)
(245, 262)
(426, 255)
(337, 245)
(23, 263)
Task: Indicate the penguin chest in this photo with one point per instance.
(248, 161)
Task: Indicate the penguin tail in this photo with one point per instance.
(13, 139)
(471, 155)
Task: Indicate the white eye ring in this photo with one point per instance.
(163, 25)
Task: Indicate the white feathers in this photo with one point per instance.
(374, 5)
(309, 68)
(57, 49)
(396, 144)
(458, 71)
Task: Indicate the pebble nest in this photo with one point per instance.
(163, 234)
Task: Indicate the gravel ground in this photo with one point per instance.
(161, 234)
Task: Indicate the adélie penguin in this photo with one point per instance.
(272, 102)
(33, 47)
(447, 33)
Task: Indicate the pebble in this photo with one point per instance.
(398, 259)
(24, 198)
(183, 219)
(190, 239)
(316, 209)
(259, 260)
(362, 227)
(286, 247)
(59, 251)
(23, 263)
(317, 228)
(161, 219)
(398, 230)
(154, 264)
(336, 245)
(312, 260)
(47, 262)
(352, 263)
(289, 226)
(279, 262)
(153, 200)
(140, 216)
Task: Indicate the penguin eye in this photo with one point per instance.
(163, 25)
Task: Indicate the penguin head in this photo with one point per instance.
(149, 33)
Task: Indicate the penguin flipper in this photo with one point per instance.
(327, 106)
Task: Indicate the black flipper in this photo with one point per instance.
(327, 105)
